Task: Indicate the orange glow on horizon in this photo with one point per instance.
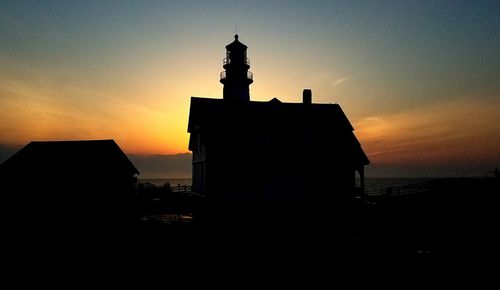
(147, 111)
(447, 132)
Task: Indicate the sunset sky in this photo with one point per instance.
(419, 80)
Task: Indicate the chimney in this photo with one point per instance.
(307, 96)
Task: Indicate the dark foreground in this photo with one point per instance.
(434, 222)
(395, 241)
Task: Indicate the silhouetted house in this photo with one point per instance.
(68, 181)
(248, 150)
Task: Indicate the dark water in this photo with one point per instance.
(371, 183)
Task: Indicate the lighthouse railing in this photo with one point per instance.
(228, 61)
(223, 75)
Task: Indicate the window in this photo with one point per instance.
(357, 179)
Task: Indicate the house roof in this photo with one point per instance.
(209, 112)
(290, 118)
(54, 157)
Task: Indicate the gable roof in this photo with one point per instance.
(208, 111)
(58, 156)
(219, 115)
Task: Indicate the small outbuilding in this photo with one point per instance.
(68, 181)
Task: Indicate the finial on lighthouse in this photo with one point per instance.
(236, 37)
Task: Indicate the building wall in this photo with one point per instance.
(247, 172)
(68, 197)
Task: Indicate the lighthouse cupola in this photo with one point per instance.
(236, 76)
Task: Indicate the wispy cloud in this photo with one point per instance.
(342, 80)
(38, 104)
(466, 131)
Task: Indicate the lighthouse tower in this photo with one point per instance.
(236, 77)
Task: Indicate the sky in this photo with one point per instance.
(419, 80)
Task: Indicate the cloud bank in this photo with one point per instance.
(163, 166)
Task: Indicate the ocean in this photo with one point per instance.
(372, 184)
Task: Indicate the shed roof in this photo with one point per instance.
(58, 156)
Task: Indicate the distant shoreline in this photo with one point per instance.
(371, 183)
(161, 181)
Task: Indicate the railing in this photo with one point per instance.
(223, 75)
(401, 190)
(228, 61)
(181, 188)
(187, 189)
